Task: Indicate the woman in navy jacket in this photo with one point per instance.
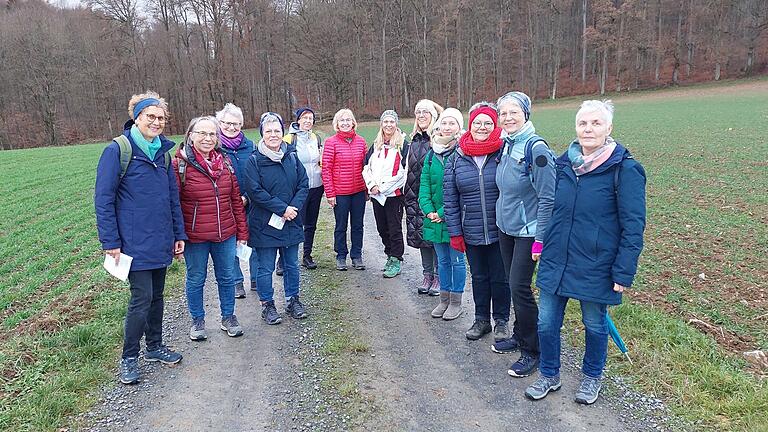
(277, 186)
(592, 246)
(238, 148)
(469, 201)
(138, 214)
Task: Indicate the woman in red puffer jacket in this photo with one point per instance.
(213, 219)
(343, 160)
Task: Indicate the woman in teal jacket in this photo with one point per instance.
(451, 267)
(592, 245)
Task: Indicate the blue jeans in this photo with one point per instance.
(551, 312)
(267, 257)
(349, 207)
(451, 268)
(196, 258)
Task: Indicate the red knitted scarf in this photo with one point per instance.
(470, 147)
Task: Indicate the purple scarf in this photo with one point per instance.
(231, 143)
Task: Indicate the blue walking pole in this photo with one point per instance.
(616, 337)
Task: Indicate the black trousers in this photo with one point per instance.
(389, 223)
(519, 267)
(145, 311)
(309, 214)
(489, 286)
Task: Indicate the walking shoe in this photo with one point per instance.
(254, 285)
(388, 263)
(479, 329)
(542, 386)
(445, 300)
(500, 331)
(425, 284)
(308, 262)
(231, 326)
(341, 264)
(197, 331)
(163, 355)
(239, 290)
(588, 391)
(524, 366)
(506, 346)
(269, 313)
(279, 268)
(129, 370)
(454, 306)
(394, 269)
(296, 308)
(434, 288)
(357, 264)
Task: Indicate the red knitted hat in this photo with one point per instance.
(490, 112)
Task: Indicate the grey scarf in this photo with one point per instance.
(274, 156)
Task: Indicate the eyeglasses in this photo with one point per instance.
(152, 118)
(211, 135)
(234, 125)
(486, 125)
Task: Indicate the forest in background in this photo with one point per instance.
(67, 73)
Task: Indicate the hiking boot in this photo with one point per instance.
(269, 313)
(308, 262)
(239, 290)
(163, 355)
(129, 370)
(542, 386)
(445, 300)
(295, 308)
(506, 346)
(425, 284)
(357, 264)
(434, 288)
(341, 264)
(524, 366)
(231, 326)
(588, 391)
(479, 329)
(197, 331)
(454, 306)
(500, 331)
(394, 269)
(279, 267)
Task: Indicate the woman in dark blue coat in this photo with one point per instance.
(138, 214)
(592, 246)
(469, 202)
(277, 186)
(239, 148)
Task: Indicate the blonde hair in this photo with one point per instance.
(397, 140)
(140, 97)
(337, 117)
(434, 110)
(193, 123)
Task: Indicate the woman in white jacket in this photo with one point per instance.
(384, 174)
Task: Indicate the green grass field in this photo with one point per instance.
(703, 149)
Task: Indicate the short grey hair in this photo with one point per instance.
(194, 122)
(605, 107)
(230, 109)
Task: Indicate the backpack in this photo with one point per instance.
(126, 154)
(319, 140)
(183, 168)
(528, 154)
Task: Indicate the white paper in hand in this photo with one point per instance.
(276, 221)
(244, 251)
(121, 269)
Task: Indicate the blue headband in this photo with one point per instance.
(264, 116)
(139, 107)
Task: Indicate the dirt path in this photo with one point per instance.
(420, 374)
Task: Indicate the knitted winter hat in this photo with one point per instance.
(270, 117)
(302, 110)
(487, 110)
(391, 114)
(454, 114)
(519, 98)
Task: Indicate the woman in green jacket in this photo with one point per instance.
(451, 266)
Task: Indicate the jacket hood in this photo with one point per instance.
(294, 128)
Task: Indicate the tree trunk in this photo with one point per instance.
(583, 41)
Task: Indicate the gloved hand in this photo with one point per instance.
(457, 242)
(536, 249)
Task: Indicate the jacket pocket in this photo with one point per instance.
(194, 216)
(463, 214)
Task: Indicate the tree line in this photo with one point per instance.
(67, 73)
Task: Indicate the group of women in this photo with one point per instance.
(495, 193)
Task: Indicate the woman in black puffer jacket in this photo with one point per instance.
(426, 113)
